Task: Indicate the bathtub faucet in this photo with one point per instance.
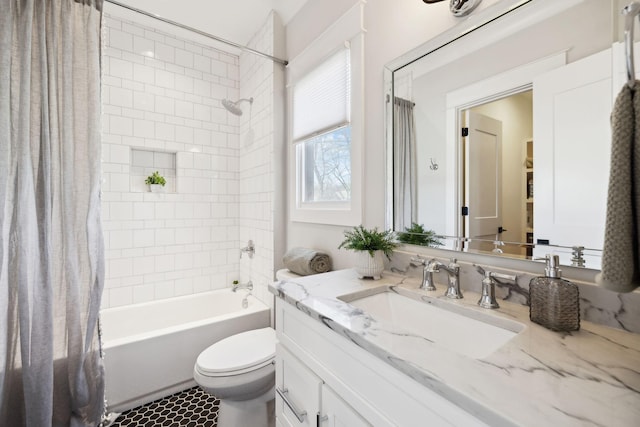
(249, 249)
(248, 285)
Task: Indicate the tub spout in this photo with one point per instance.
(248, 285)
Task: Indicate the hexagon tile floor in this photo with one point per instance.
(189, 408)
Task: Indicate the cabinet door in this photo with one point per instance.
(297, 391)
(337, 413)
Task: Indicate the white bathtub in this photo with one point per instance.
(150, 348)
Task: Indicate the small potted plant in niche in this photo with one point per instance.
(370, 244)
(418, 235)
(156, 182)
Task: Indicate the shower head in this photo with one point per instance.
(233, 107)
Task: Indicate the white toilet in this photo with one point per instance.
(239, 370)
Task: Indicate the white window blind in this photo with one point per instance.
(322, 98)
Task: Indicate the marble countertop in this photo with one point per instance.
(539, 378)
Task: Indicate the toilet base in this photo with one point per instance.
(258, 412)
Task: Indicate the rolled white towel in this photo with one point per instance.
(306, 261)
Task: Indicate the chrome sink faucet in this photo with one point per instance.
(453, 275)
(427, 273)
(488, 298)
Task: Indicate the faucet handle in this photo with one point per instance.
(491, 274)
(418, 260)
(488, 297)
(511, 277)
(433, 265)
(249, 249)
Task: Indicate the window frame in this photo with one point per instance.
(348, 32)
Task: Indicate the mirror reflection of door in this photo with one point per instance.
(572, 169)
(483, 171)
(497, 167)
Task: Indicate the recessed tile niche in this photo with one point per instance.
(145, 162)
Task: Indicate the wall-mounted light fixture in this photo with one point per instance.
(459, 7)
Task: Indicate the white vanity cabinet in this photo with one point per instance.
(338, 383)
(303, 399)
(297, 391)
(336, 412)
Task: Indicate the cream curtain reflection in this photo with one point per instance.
(404, 164)
(51, 247)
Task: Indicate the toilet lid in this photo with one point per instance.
(240, 352)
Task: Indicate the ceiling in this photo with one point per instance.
(233, 20)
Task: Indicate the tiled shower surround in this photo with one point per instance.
(259, 142)
(162, 93)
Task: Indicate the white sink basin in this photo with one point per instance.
(467, 332)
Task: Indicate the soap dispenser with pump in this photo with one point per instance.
(554, 302)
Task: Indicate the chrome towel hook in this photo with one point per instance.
(630, 12)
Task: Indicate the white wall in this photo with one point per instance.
(429, 95)
(393, 27)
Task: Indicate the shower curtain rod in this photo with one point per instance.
(202, 33)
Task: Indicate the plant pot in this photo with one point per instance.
(368, 266)
(156, 188)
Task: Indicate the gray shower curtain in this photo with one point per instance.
(51, 248)
(404, 164)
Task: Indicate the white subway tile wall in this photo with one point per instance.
(162, 94)
(256, 183)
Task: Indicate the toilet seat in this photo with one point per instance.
(238, 354)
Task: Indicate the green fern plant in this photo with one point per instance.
(155, 178)
(370, 240)
(418, 235)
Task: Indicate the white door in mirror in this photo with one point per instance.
(571, 167)
(483, 176)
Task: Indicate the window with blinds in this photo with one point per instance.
(325, 117)
(322, 131)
